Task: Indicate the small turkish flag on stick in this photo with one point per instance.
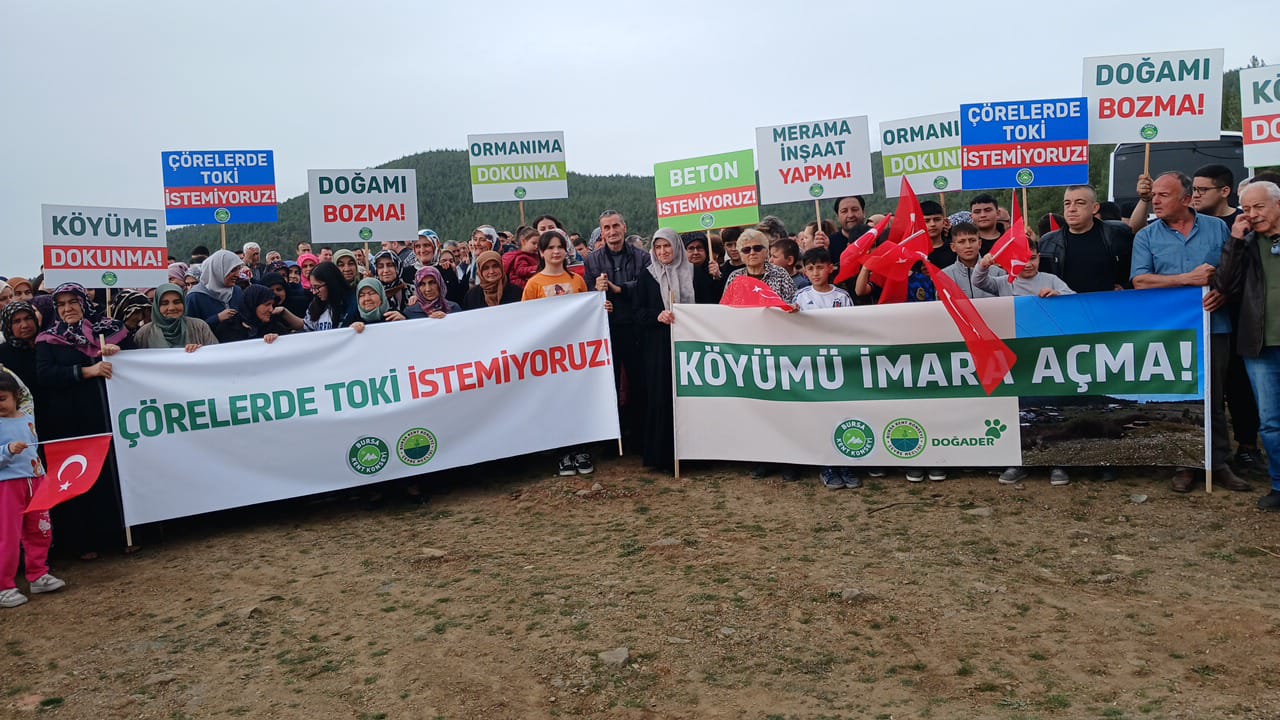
(72, 467)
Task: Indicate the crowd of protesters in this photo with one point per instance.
(1205, 232)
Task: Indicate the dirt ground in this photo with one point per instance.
(734, 598)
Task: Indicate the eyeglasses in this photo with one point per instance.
(751, 249)
(1202, 190)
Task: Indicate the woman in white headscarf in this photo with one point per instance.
(669, 281)
(216, 296)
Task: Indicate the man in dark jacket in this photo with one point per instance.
(1089, 255)
(1250, 271)
(615, 270)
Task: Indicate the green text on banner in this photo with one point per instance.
(712, 191)
(813, 160)
(339, 410)
(517, 166)
(1154, 97)
(925, 150)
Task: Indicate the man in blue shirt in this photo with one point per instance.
(1183, 248)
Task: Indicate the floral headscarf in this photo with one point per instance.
(7, 317)
(439, 303)
(83, 336)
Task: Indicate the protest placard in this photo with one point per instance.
(890, 384)
(102, 247)
(334, 409)
(814, 160)
(1164, 96)
(518, 166)
(349, 206)
(1024, 143)
(219, 187)
(712, 191)
(925, 150)
(1260, 115)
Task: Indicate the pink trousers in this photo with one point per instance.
(22, 531)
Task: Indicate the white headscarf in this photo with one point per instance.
(675, 280)
(213, 275)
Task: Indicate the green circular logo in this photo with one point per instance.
(854, 438)
(416, 447)
(222, 215)
(707, 220)
(904, 438)
(368, 455)
(941, 182)
(366, 233)
(1025, 177)
(1149, 132)
(521, 192)
(109, 279)
(815, 190)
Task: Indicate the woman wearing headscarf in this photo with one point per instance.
(307, 262)
(170, 327)
(708, 280)
(455, 285)
(389, 273)
(429, 300)
(71, 367)
(214, 298)
(669, 280)
(372, 305)
(492, 287)
(332, 304)
(131, 308)
(20, 325)
(349, 266)
(288, 295)
(178, 273)
(22, 288)
(6, 294)
(258, 317)
(192, 278)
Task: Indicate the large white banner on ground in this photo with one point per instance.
(244, 423)
(1100, 379)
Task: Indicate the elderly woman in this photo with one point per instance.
(6, 294)
(669, 281)
(753, 245)
(349, 265)
(492, 287)
(708, 279)
(214, 298)
(170, 327)
(372, 305)
(131, 308)
(20, 326)
(429, 300)
(71, 366)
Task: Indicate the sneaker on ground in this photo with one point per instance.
(566, 466)
(876, 472)
(937, 474)
(46, 583)
(915, 475)
(1013, 475)
(582, 464)
(851, 479)
(1058, 476)
(11, 598)
(831, 479)
(1248, 460)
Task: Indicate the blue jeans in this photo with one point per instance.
(1264, 373)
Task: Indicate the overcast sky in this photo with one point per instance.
(93, 91)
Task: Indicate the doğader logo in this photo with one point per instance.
(416, 447)
(905, 438)
(854, 438)
(368, 455)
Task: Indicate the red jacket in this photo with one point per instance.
(519, 266)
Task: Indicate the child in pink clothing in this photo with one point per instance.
(20, 474)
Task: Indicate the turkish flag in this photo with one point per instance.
(747, 291)
(1013, 251)
(991, 357)
(73, 466)
(852, 256)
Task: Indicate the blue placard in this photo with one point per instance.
(1024, 143)
(212, 187)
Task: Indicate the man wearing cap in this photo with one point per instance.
(253, 260)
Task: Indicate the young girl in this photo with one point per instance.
(553, 280)
(20, 473)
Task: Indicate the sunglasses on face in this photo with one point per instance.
(751, 249)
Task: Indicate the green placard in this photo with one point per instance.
(712, 191)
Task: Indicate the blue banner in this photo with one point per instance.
(212, 187)
(1025, 143)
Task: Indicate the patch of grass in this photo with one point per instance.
(1037, 656)
(629, 547)
(50, 703)
(1056, 702)
(965, 669)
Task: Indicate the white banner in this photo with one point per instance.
(518, 166)
(244, 423)
(1260, 115)
(814, 160)
(102, 247)
(1154, 97)
(359, 206)
(925, 150)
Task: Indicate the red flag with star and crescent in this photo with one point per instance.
(72, 467)
(749, 292)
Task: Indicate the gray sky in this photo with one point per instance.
(94, 91)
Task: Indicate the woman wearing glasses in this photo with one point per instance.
(754, 248)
